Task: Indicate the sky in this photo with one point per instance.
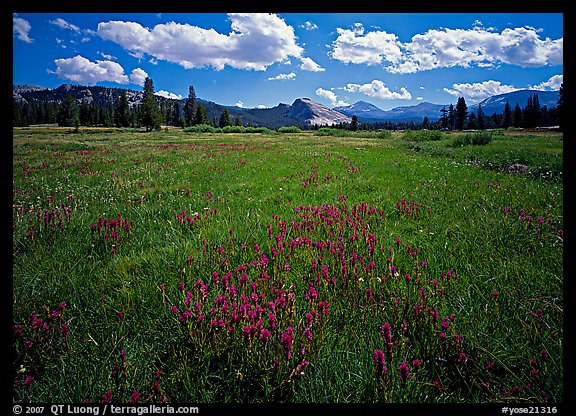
(262, 59)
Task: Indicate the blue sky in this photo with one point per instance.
(262, 59)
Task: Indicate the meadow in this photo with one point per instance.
(271, 267)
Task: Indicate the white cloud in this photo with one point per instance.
(330, 96)
(553, 84)
(283, 77)
(378, 89)
(239, 104)
(309, 65)
(309, 25)
(438, 48)
(167, 94)
(63, 24)
(21, 29)
(352, 46)
(83, 71)
(138, 76)
(480, 90)
(257, 40)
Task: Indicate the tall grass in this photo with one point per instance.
(190, 267)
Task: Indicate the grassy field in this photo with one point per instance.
(298, 268)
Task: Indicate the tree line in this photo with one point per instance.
(154, 111)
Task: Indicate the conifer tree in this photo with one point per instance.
(69, 114)
(190, 107)
(150, 115)
(122, 114)
(461, 113)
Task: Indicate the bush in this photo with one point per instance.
(480, 138)
(290, 129)
(423, 135)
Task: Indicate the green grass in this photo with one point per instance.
(308, 224)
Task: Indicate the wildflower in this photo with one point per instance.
(265, 335)
(107, 397)
(28, 381)
(135, 397)
(387, 336)
(286, 341)
(380, 364)
(462, 358)
(416, 363)
(495, 294)
(64, 330)
(404, 372)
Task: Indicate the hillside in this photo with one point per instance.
(303, 112)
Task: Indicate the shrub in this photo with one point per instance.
(423, 135)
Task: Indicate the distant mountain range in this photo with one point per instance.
(303, 112)
(494, 104)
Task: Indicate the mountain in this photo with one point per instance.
(362, 109)
(496, 103)
(369, 112)
(302, 113)
(314, 113)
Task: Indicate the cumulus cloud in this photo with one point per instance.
(479, 90)
(167, 94)
(352, 46)
(257, 40)
(83, 71)
(553, 84)
(21, 29)
(283, 77)
(438, 48)
(378, 89)
(138, 76)
(330, 96)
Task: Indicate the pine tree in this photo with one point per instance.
(461, 114)
(190, 107)
(150, 115)
(517, 121)
(201, 115)
(443, 118)
(481, 118)
(507, 115)
(122, 114)
(69, 114)
(451, 117)
(224, 118)
(354, 125)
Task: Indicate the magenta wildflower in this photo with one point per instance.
(28, 381)
(404, 372)
(462, 358)
(495, 294)
(135, 397)
(380, 364)
(387, 336)
(64, 330)
(286, 341)
(265, 335)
